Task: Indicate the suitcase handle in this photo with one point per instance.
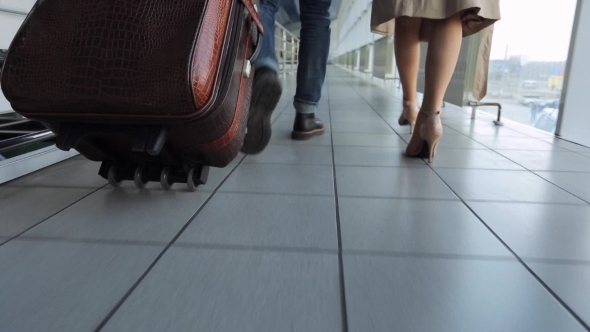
(258, 48)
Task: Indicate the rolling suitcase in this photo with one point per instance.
(156, 90)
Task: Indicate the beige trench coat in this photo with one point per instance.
(478, 15)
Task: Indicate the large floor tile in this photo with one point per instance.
(415, 226)
(476, 130)
(363, 127)
(576, 183)
(222, 290)
(501, 185)
(125, 215)
(65, 286)
(529, 131)
(420, 294)
(570, 283)
(285, 179)
(216, 177)
(376, 140)
(23, 207)
(517, 143)
(454, 142)
(374, 156)
(482, 159)
(74, 173)
(282, 125)
(265, 220)
(355, 107)
(391, 183)
(566, 144)
(283, 137)
(287, 117)
(459, 142)
(562, 161)
(294, 155)
(356, 117)
(540, 230)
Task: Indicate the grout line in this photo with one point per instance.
(405, 254)
(284, 163)
(64, 187)
(581, 204)
(235, 192)
(112, 312)
(558, 261)
(343, 304)
(92, 241)
(52, 215)
(245, 247)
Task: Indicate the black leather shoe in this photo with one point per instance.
(307, 126)
(266, 93)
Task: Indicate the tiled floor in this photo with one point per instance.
(340, 233)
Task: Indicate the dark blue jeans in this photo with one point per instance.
(313, 50)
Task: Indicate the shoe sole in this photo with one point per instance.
(266, 94)
(306, 135)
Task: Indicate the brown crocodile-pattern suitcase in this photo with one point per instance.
(138, 84)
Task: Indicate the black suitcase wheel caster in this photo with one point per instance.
(113, 180)
(190, 180)
(139, 178)
(165, 180)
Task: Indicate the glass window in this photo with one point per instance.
(528, 59)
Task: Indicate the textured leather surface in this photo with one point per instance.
(103, 57)
(229, 135)
(139, 91)
(190, 138)
(208, 50)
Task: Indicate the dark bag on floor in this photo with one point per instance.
(160, 84)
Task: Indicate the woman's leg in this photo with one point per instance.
(407, 53)
(443, 52)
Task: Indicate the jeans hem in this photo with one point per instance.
(304, 107)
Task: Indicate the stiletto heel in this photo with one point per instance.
(431, 131)
(409, 115)
(431, 150)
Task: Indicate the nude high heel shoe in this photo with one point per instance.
(431, 131)
(409, 115)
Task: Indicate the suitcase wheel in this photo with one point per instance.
(113, 180)
(168, 175)
(139, 177)
(165, 179)
(190, 180)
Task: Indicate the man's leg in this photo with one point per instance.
(266, 90)
(311, 72)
